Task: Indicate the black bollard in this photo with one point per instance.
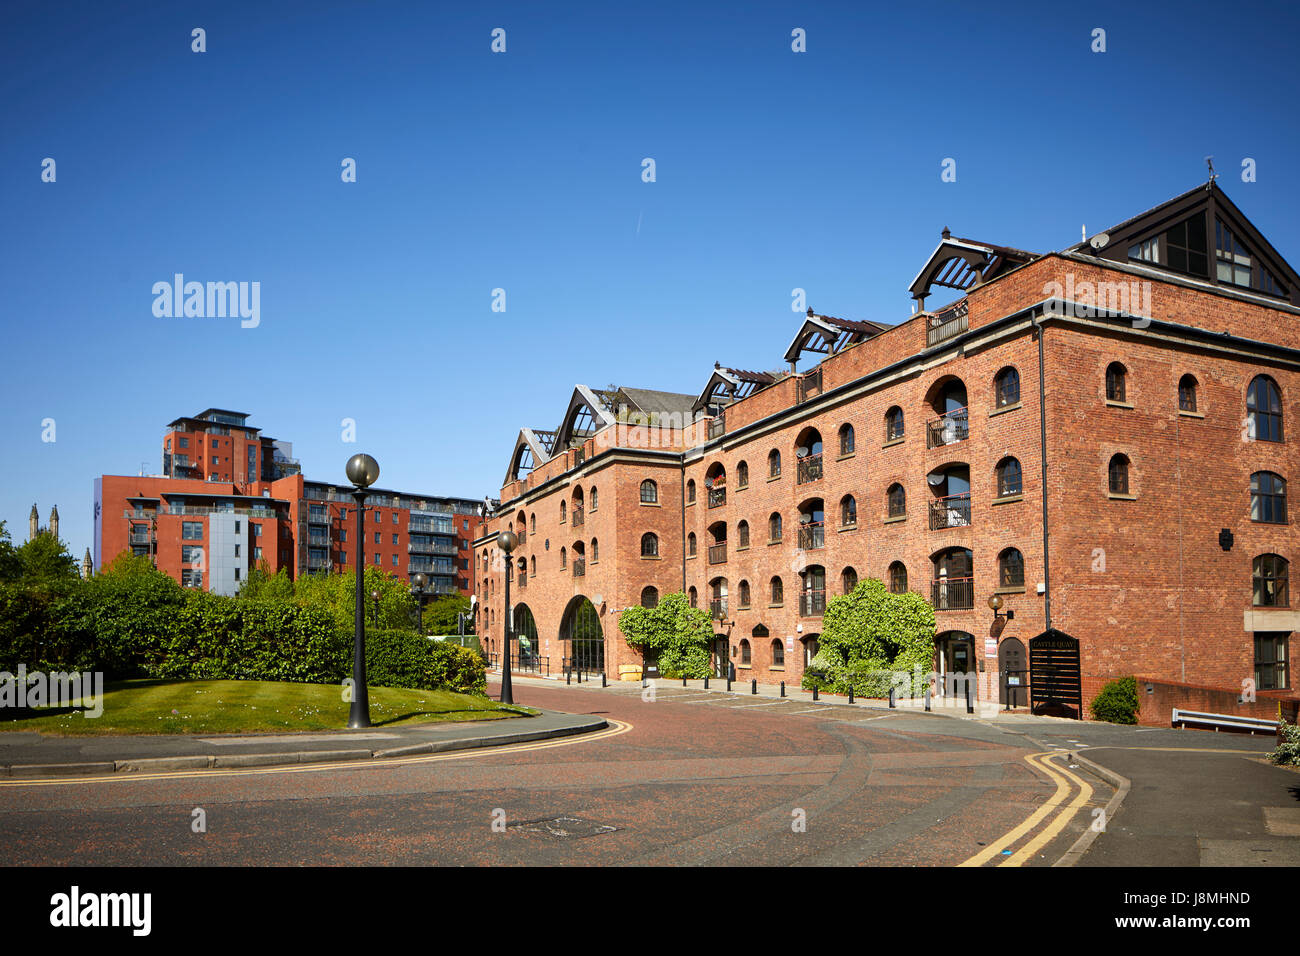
(850, 693)
(753, 685)
(568, 675)
(683, 681)
(728, 683)
(814, 691)
(927, 699)
(604, 682)
(706, 681)
(892, 691)
(970, 708)
(782, 688)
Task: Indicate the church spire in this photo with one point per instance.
(54, 522)
(33, 523)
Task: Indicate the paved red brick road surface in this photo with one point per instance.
(698, 779)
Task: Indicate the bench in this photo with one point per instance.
(1181, 718)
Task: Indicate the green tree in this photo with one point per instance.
(9, 565)
(440, 614)
(871, 632)
(678, 633)
(45, 562)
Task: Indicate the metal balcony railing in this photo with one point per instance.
(947, 429)
(576, 516)
(812, 603)
(950, 512)
(947, 324)
(812, 536)
(717, 497)
(718, 608)
(523, 579)
(718, 553)
(141, 537)
(953, 594)
(810, 385)
(579, 567)
(717, 426)
(809, 469)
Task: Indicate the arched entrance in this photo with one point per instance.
(721, 655)
(580, 629)
(1013, 673)
(954, 653)
(525, 635)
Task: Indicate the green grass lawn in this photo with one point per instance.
(238, 706)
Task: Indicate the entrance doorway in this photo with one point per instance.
(955, 654)
(1013, 673)
(721, 655)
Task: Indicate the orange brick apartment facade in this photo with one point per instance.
(1151, 375)
(230, 499)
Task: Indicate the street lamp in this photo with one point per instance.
(995, 602)
(417, 591)
(362, 471)
(374, 596)
(506, 541)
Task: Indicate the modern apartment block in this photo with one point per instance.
(1098, 437)
(230, 499)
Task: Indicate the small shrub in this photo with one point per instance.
(1288, 751)
(1118, 702)
(403, 659)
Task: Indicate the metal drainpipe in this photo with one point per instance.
(1042, 445)
(683, 509)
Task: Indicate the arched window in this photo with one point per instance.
(649, 545)
(1115, 375)
(1264, 409)
(777, 591)
(896, 501)
(649, 492)
(690, 545)
(650, 597)
(744, 594)
(846, 439)
(744, 651)
(742, 535)
(848, 512)
(594, 499)
(1187, 393)
(1006, 387)
(778, 653)
(848, 580)
(742, 475)
(774, 464)
(595, 551)
(690, 492)
(532, 565)
(898, 578)
(564, 511)
(694, 596)
(894, 424)
(1119, 475)
(1011, 569)
(1267, 497)
(774, 527)
(1270, 577)
(532, 523)
(1008, 474)
(564, 558)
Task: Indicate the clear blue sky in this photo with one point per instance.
(522, 171)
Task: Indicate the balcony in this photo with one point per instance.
(950, 512)
(717, 426)
(417, 547)
(812, 536)
(318, 541)
(718, 608)
(948, 429)
(809, 469)
(139, 537)
(576, 516)
(718, 553)
(953, 594)
(717, 497)
(579, 567)
(812, 603)
(810, 385)
(947, 324)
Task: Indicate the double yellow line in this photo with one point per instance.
(615, 728)
(1065, 782)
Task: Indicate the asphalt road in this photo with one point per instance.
(689, 778)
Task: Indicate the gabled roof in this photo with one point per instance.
(826, 335)
(589, 411)
(727, 385)
(652, 402)
(530, 451)
(960, 264)
(1210, 202)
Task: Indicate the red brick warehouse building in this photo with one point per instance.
(230, 498)
(1097, 436)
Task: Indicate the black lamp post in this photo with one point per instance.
(362, 471)
(374, 596)
(506, 541)
(417, 591)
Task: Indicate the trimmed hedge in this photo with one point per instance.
(403, 659)
(1117, 703)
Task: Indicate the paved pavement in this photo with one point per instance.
(27, 754)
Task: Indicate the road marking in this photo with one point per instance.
(616, 728)
(1031, 821)
(1050, 831)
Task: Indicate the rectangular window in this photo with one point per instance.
(257, 529)
(377, 536)
(1271, 664)
(182, 442)
(1185, 246)
(237, 526)
(394, 517)
(236, 550)
(394, 560)
(257, 554)
(394, 538)
(343, 535)
(236, 574)
(376, 558)
(192, 530)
